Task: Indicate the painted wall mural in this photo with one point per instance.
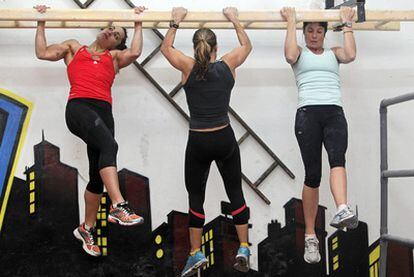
(42, 210)
(14, 118)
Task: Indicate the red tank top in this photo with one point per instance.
(91, 76)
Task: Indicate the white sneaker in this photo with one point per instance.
(311, 254)
(345, 218)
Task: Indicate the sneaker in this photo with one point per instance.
(194, 263)
(346, 218)
(311, 254)
(123, 215)
(88, 243)
(242, 259)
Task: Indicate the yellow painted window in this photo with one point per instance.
(158, 239)
(32, 208)
(32, 197)
(374, 255)
(159, 253)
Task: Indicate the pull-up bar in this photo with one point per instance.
(75, 18)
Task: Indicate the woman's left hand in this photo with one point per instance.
(139, 10)
(347, 14)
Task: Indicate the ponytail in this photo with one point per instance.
(204, 41)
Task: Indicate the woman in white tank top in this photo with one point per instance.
(320, 119)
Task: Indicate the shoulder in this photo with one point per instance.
(72, 44)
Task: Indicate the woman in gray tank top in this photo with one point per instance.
(208, 84)
(320, 119)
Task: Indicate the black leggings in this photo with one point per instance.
(92, 121)
(203, 148)
(316, 125)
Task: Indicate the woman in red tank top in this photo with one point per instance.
(91, 72)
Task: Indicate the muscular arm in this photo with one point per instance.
(238, 55)
(53, 52)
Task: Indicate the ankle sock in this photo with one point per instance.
(192, 253)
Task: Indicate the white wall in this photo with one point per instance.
(152, 135)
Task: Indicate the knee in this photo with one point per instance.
(196, 219)
(313, 180)
(108, 154)
(337, 160)
(95, 187)
(241, 215)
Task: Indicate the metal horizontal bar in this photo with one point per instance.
(396, 100)
(17, 24)
(397, 173)
(403, 241)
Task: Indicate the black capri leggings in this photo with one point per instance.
(315, 125)
(203, 148)
(92, 121)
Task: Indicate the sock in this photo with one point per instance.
(244, 244)
(341, 207)
(308, 236)
(192, 253)
(87, 228)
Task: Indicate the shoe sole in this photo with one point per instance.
(193, 270)
(242, 264)
(115, 220)
(78, 236)
(349, 223)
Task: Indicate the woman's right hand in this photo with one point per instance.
(288, 14)
(231, 13)
(41, 9)
(178, 14)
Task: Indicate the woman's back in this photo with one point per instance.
(208, 99)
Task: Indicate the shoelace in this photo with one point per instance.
(311, 245)
(90, 236)
(345, 211)
(125, 208)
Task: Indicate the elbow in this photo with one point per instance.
(40, 56)
(164, 49)
(350, 59)
(136, 55)
(291, 59)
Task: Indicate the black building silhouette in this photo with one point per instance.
(348, 252)
(281, 253)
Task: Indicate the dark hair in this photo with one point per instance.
(122, 45)
(322, 24)
(204, 41)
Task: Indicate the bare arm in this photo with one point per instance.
(292, 50)
(52, 52)
(175, 57)
(238, 55)
(347, 53)
(128, 56)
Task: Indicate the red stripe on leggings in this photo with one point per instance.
(198, 214)
(236, 212)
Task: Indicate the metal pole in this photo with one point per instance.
(384, 190)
